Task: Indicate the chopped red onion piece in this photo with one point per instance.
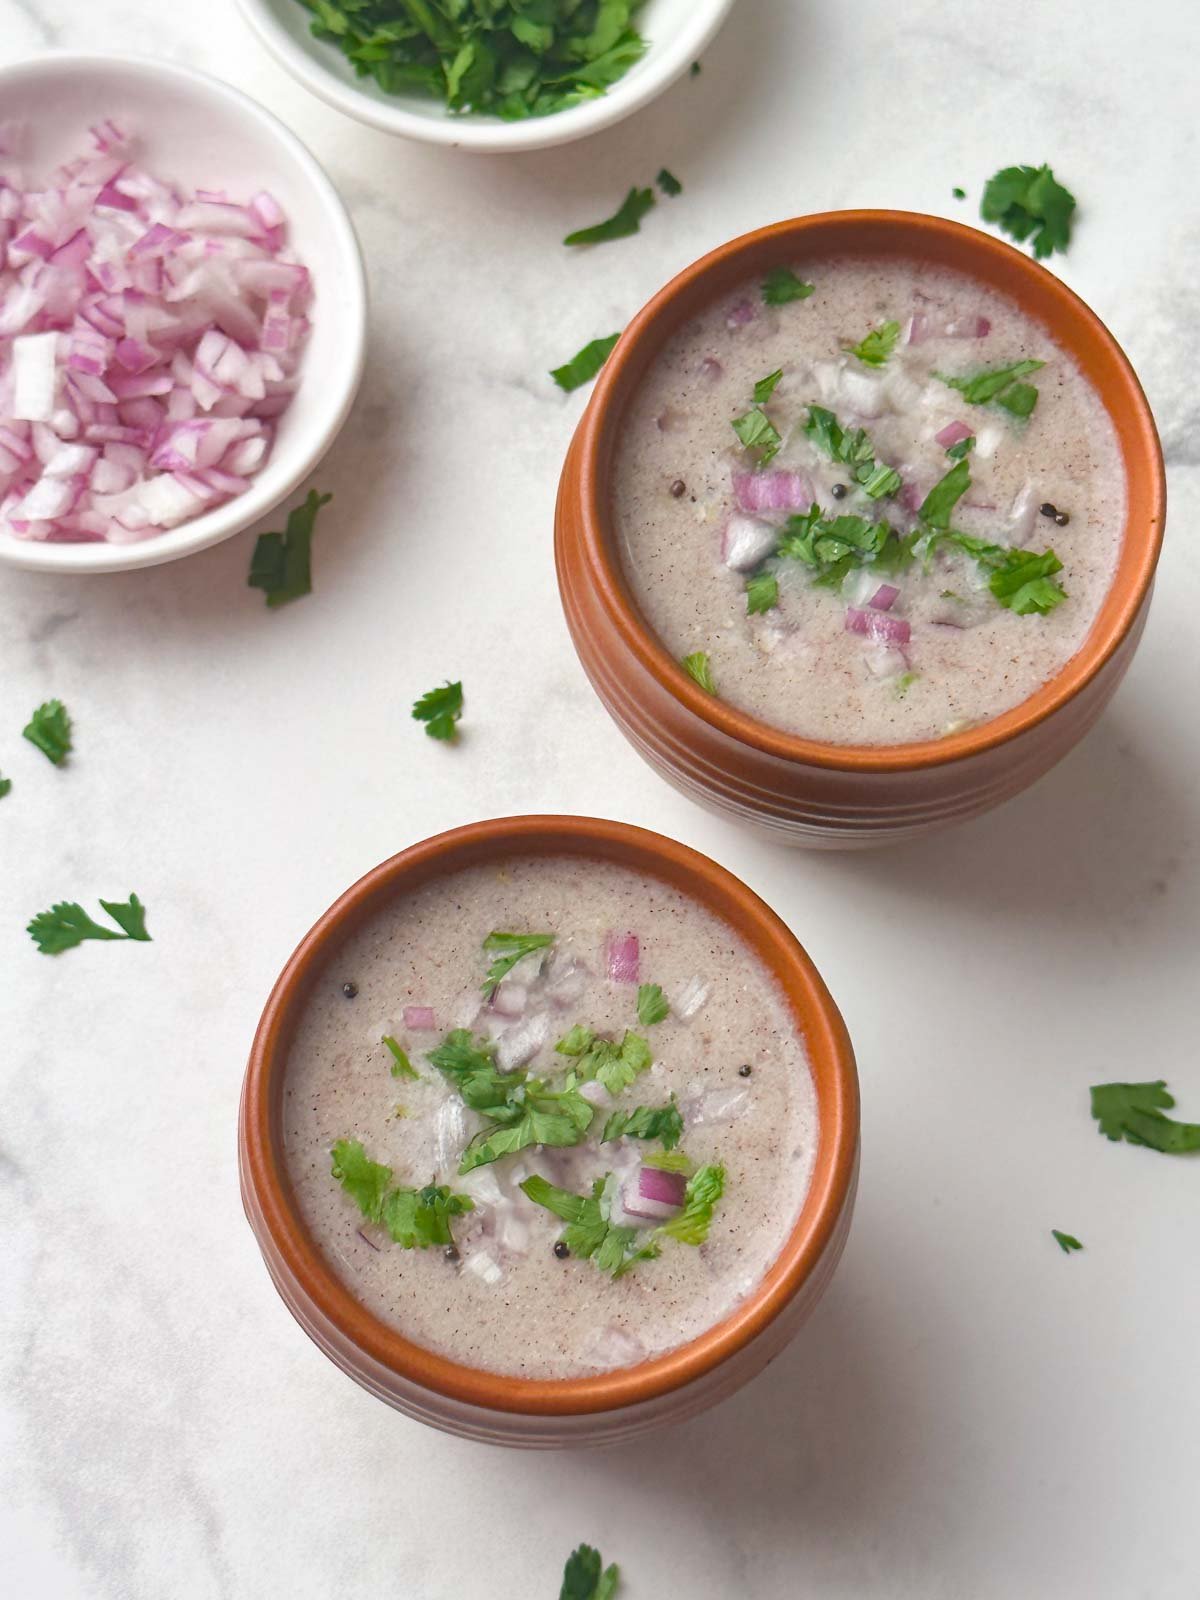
(877, 626)
(746, 541)
(484, 1264)
(884, 598)
(510, 999)
(653, 1194)
(623, 957)
(711, 369)
(450, 1134)
(953, 433)
(419, 1019)
(740, 314)
(518, 1045)
(690, 998)
(714, 1105)
(594, 1092)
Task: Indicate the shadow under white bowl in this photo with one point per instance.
(676, 32)
(196, 131)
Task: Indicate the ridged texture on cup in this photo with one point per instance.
(801, 790)
(614, 1405)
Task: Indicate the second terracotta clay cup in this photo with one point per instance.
(801, 790)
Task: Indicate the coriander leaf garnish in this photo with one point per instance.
(440, 710)
(1030, 202)
(415, 1218)
(705, 1188)
(646, 1122)
(758, 435)
(1134, 1112)
(401, 1067)
(999, 384)
(765, 387)
(281, 565)
(627, 219)
(762, 592)
(1021, 580)
(667, 1160)
(835, 546)
(5, 786)
(959, 451)
(941, 500)
(852, 449)
(1066, 1241)
(877, 346)
(652, 1005)
(589, 1234)
(584, 366)
(959, 194)
(67, 924)
(668, 183)
(583, 1578)
(613, 1064)
(50, 729)
(697, 666)
(508, 949)
(512, 60)
(781, 285)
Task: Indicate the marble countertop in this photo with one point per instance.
(970, 1413)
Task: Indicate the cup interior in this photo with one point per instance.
(817, 1018)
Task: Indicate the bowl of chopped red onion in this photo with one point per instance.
(174, 264)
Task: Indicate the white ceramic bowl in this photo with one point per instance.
(200, 132)
(676, 30)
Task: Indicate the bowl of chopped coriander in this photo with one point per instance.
(487, 75)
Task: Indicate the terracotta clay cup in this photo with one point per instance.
(615, 1405)
(801, 790)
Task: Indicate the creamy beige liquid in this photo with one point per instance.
(509, 1305)
(797, 667)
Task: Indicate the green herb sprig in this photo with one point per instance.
(49, 728)
(1134, 1112)
(67, 924)
(414, 1218)
(1030, 203)
(626, 220)
(440, 710)
(585, 364)
(281, 565)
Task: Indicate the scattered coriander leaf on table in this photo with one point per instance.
(49, 729)
(697, 666)
(1134, 1112)
(281, 565)
(781, 285)
(401, 1067)
(5, 786)
(585, 1576)
(652, 1004)
(440, 709)
(668, 183)
(959, 194)
(508, 949)
(1066, 1241)
(626, 220)
(584, 366)
(877, 346)
(67, 924)
(1027, 202)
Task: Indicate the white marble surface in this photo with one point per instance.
(970, 1414)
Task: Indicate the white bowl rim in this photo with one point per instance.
(199, 533)
(665, 63)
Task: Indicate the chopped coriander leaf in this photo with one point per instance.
(668, 1160)
(960, 451)
(440, 710)
(878, 345)
(705, 1188)
(512, 60)
(615, 1065)
(782, 285)
(765, 387)
(904, 683)
(646, 1122)
(668, 183)
(50, 729)
(852, 449)
(959, 194)
(694, 69)
(5, 786)
(939, 503)
(1021, 580)
(589, 1233)
(508, 949)
(1134, 1112)
(281, 565)
(584, 366)
(652, 1005)
(401, 1067)
(1066, 1241)
(415, 1218)
(697, 666)
(627, 219)
(758, 435)
(999, 384)
(832, 547)
(67, 924)
(762, 592)
(1029, 202)
(583, 1578)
